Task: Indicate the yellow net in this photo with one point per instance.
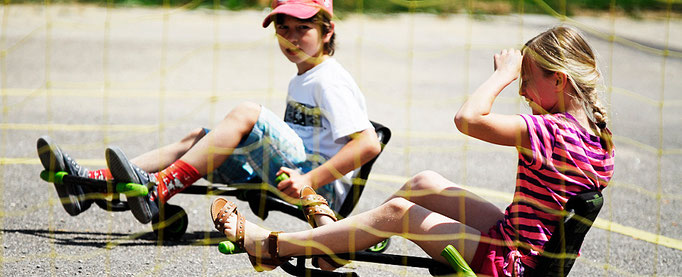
(92, 76)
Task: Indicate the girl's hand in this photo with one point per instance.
(508, 63)
(292, 186)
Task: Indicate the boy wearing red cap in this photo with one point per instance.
(324, 136)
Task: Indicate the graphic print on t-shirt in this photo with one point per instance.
(302, 114)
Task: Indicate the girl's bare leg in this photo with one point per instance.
(158, 159)
(433, 192)
(324, 220)
(430, 230)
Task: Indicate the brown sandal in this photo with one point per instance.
(314, 204)
(221, 210)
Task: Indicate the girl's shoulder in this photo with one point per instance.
(557, 118)
(555, 121)
(566, 126)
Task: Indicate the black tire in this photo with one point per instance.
(174, 224)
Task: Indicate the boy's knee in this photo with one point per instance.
(245, 112)
(193, 136)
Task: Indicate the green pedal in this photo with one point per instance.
(53, 177)
(227, 248)
(131, 189)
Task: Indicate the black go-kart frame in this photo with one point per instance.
(171, 223)
(557, 259)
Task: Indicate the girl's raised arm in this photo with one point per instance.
(474, 117)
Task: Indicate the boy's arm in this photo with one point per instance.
(362, 148)
(474, 117)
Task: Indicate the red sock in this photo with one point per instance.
(175, 178)
(101, 174)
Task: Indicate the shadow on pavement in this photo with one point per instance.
(110, 240)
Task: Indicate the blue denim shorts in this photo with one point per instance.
(270, 145)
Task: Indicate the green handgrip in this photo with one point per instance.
(281, 177)
(227, 248)
(131, 189)
(457, 262)
(53, 177)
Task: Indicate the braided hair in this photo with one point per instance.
(563, 49)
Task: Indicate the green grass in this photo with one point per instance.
(566, 7)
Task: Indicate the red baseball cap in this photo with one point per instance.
(301, 9)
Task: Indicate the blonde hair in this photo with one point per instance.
(563, 49)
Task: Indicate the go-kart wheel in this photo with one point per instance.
(380, 247)
(174, 225)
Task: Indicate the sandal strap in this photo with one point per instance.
(240, 230)
(314, 204)
(273, 245)
(222, 217)
(273, 249)
(319, 210)
(314, 199)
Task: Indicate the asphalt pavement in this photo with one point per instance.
(139, 78)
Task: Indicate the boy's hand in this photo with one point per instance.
(292, 186)
(508, 63)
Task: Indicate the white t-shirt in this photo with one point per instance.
(324, 107)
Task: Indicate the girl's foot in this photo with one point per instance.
(259, 243)
(317, 212)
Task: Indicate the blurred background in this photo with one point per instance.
(142, 74)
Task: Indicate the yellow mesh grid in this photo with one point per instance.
(29, 110)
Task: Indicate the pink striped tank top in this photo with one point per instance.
(564, 160)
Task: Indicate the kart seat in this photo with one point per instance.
(562, 248)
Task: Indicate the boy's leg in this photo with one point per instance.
(433, 192)
(272, 144)
(216, 146)
(74, 198)
(158, 159)
(202, 157)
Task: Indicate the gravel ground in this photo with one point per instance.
(139, 78)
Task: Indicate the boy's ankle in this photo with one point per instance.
(174, 179)
(100, 174)
(160, 192)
